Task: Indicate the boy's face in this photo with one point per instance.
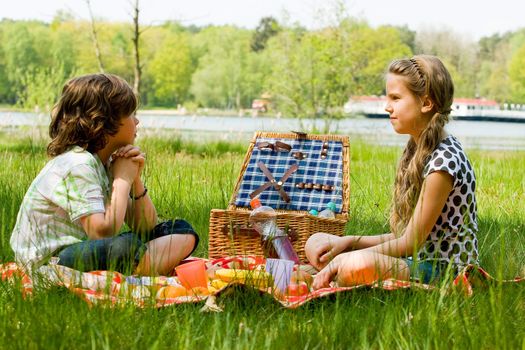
(127, 132)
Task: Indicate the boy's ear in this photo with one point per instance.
(428, 104)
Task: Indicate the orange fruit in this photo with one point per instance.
(172, 292)
(302, 276)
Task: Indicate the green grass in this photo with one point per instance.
(188, 179)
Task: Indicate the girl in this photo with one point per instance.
(77, 204)
(433, 216)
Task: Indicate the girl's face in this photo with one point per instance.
(127, 132)
(406, 110)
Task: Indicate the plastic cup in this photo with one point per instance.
(281, 270)
(192, 274)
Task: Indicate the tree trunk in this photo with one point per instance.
(136, 36)
(94, 38)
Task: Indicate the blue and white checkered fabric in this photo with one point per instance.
(312, 169)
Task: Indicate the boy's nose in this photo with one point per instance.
(136, 120)
(388, 109)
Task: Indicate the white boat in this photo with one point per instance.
(462, 109)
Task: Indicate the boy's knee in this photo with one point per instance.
(191, 243)
(172, 227)
(125, 246)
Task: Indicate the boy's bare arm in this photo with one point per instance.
(107, 224)
(103, 225)
(142, 215)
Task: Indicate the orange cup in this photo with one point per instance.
(192, 274)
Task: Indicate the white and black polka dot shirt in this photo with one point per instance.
(453, 237)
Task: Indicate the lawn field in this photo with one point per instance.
(187, 180)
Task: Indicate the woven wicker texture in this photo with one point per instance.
(230, 232)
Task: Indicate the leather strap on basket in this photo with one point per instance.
(278, 185)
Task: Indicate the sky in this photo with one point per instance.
(472, 18)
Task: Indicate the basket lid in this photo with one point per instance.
(294, 172)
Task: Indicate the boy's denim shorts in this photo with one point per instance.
(121, 252)
(425, 271)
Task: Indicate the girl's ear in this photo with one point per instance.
(428, 104)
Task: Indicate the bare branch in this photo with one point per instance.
(94, 37)
(135, 39)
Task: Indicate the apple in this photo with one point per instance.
(297, 289)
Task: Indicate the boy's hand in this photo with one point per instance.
(134, 153)
(125, 168)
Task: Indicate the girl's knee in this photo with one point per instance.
(358, 268)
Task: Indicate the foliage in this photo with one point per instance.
(306, 72)
(517, 75)
(228, 73)
(459, 55)
(268, 27)
(41, 87)
(313, 72)
(170, 70)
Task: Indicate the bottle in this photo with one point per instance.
(264, 220)
(313, 212)
(329, 212)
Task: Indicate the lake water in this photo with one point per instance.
(473, 134)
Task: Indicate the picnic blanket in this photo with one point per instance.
(113, 288)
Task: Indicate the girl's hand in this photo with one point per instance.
(134, 153)
(321, 248)
(327, 274)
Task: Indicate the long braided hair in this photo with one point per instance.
(425, 75)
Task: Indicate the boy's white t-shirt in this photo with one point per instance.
(71, 185)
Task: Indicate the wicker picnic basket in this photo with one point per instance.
(230, 232)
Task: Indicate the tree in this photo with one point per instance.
(268, 27)
(41, 87)
(5, 93)
(458, 52)
(407, 36)
(314, 73)
(137, 68)
(517, 76)
(224, 77)
(495, 53)
(170, 71)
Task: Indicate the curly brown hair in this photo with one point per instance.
(425, 75)
(89, 110)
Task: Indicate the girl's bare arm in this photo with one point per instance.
(434, 193)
